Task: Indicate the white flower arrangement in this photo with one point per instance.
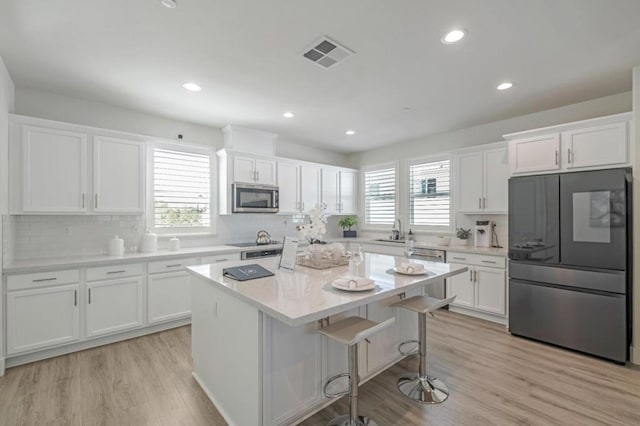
(316, 228)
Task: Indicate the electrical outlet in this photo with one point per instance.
(67, 230)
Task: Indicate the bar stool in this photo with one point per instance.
(350, 331)
(420, 386)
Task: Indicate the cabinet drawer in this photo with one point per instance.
(41, 279)
(113, 272)
(217, 258)
(171, 265)
(477, 259)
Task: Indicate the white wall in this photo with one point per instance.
(636, 217)
(7, 93)
(289, 149)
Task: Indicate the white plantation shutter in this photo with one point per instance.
(380, 196)
(430, 194)
(181, 189)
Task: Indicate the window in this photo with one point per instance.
(181, 189)
(430, 194)
(380, 196)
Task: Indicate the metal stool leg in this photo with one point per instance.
(352, 419)
(419, 386)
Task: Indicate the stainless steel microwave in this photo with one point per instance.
(249, 198)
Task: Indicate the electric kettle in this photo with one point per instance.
(263, 238)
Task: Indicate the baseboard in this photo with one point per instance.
(635, 355)
(2, 367)
(15, 360)
(477, 314)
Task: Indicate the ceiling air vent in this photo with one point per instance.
(327, 53)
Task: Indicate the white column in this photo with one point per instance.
(635, 143)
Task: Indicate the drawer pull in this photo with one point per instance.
(44, 279)
(75, 297)
(116, 272)
(459, 258)
(489, 261)
(175, 265)
(220, 260)
(89, 296)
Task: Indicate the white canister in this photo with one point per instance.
(174, 244)
(149, 242)
(116, 246)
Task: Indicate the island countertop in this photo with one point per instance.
(306, 294)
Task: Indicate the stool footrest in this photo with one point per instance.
(338, 394)
(407, 342)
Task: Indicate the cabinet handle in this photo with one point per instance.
(220, 260)
(475, 276)
(303, 206)
(479, 203)
(96, 201)
(75, 297)
(89, 296)
(459, 258)
(258, 175)
(471, 275)
(116, 272)
(556, 157)
(341, 207)
(569, 155)
(174, 265)
(83, 200)
(338, 207)
(44, 279)
(489, 261)
(484, 203)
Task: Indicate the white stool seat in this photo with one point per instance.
(353, 330)
(423, 304)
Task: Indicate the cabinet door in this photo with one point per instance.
(118, 175)
(169, 296)
(54, 170)
(469, 182)
(309, 186)
(596, 146)
(462, 287)
(265, 172)
(288, 188)
(538, 154)
(383, 349)
(490, 290)
(114, 306)
(496, 181)
(331, 189)
(244, 169)
(348, 185)
(41, 318)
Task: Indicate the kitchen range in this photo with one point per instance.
(570, 267)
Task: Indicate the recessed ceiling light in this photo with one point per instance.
(192, 87)
(504, 86)
(171, 4)
(453, 36)
(288, 114)
(407, 109)
(350, 132)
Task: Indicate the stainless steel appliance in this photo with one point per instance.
(248, 198)
(483, 233)
(570, 260)
(253, 251)
(436, 290)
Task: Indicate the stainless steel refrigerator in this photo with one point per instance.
(570, 260)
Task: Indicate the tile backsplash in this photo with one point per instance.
(28, 237)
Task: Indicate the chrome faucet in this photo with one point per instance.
(396, 234)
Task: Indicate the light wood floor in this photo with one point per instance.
(494, 378)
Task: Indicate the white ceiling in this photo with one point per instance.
(246, 56)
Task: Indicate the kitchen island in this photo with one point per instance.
(254, 349)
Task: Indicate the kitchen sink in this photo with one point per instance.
(382, 240)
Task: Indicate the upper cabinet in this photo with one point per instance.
(254, 170)
(299, 186)
(482, 180)
(59, 168)
(586, 145)
(339, 190)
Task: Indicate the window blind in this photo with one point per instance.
(181, 189)
(429, 194)
(380, 196)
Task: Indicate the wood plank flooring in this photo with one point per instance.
(494, 378)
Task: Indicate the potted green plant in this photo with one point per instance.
(348, 222)
(462, 236)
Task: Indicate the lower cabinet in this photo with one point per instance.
(42, 317)
(169, 296)
(114, 306)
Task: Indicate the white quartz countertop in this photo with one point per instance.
(306, 295)
(491, 251)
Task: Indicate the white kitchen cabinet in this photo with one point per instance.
(299, 186)
(482, 180)
(169, 296)
(383, 349)
(482, 291)
(397, 249)
(592, 144)
(42, 317)
(219, 258)
(114, 306)
(309, 186)
(605, 145)
(118, 175)
(339, 190)
(254, 170)
(54, 170)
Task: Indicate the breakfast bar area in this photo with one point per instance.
(256, 349)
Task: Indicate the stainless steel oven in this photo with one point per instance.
(249, 198)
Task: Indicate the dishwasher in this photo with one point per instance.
(437, 290)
